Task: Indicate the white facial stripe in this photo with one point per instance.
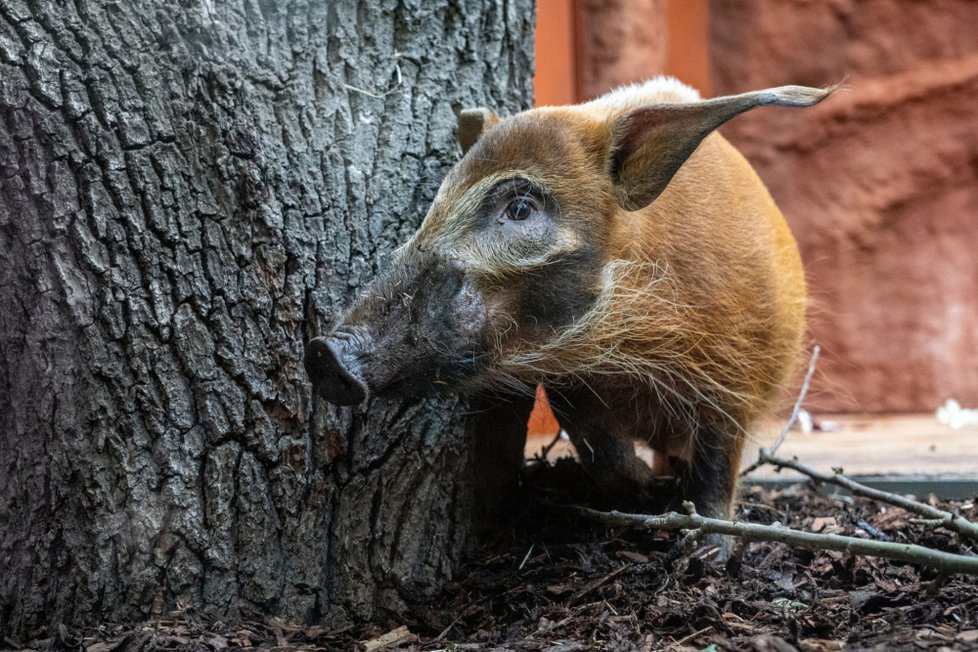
(451, 230)
(450, 218)
(494, 258)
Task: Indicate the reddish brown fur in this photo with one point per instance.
(731, 264)
(654, 286)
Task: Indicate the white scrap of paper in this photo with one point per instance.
(953, 415)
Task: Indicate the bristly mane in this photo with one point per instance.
(658, 90)
(639, 328)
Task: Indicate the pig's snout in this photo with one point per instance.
(334, 371)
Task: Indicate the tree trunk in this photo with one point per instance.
(188, 193)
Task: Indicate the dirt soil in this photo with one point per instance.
(552, 582)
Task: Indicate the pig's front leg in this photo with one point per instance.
(710, 482)
(610, 459)
(606, 454)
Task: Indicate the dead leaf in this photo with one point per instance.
(819, 645)
(771, 643)
(558, 590)
(393, 638)
(636, 557)
(106, 646)
(824, 523)
(967, 636)
(894, 518)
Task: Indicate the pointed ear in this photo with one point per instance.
(472, 123)
(650, 144)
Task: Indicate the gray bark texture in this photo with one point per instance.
(189, 191)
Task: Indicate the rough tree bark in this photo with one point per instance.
(188, 192)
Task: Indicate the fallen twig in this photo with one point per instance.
(686, 639)
(939, 517)
(591, 586)
(795, 411)
(945, 519)
(946, 562)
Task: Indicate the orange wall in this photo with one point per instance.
(688, 47)
(562, 45)
(554, 52)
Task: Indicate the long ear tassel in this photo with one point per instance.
(651, 143)
(793, 96)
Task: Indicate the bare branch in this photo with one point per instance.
(944, 561)
(795, 411)
(945, 519)
(802, 393)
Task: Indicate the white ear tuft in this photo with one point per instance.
(798, 96)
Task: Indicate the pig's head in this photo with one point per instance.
(512, 250)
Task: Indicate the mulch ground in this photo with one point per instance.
(552, 582)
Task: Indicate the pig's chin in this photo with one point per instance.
(440, 379)
(405, 388)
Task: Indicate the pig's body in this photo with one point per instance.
(614, 251)
(710, 302)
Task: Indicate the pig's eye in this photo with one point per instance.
(520, 209)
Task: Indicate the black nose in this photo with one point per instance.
(332, 373)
